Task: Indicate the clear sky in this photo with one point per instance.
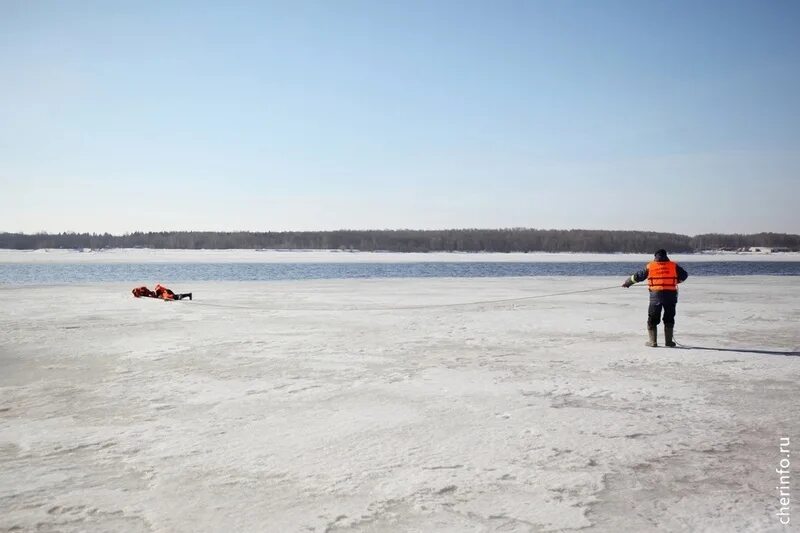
(680, 116)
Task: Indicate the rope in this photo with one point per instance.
(480, 302)
(403, 308)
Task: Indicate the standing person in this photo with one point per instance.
(663, 276)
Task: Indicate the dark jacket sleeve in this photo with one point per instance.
(682, 274)
(639, 276)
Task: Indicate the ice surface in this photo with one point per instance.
(361, 406)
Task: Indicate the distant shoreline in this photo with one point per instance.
(502, 240)
(152, 255)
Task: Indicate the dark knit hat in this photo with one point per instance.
(661, 255)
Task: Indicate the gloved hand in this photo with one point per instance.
(627, 283)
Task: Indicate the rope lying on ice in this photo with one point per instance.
(482, 302)
(402, 308)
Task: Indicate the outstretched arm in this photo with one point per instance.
(636, 277)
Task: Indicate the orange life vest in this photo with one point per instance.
(662, 275)
(165, 293)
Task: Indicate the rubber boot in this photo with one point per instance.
(652, 333)
(668, 340)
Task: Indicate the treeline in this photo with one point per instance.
(456, 240)
(717, 241)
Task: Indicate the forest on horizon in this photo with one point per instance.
(451, 240)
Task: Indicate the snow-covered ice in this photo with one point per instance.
(360, 405)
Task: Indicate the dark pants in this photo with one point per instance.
(662, 300)
(178, 296)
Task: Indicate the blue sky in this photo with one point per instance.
(659, 115)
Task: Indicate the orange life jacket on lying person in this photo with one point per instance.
(662, 275)
(140, 292)
(164, 293)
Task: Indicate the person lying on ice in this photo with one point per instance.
(160, 292)
(663, 276)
